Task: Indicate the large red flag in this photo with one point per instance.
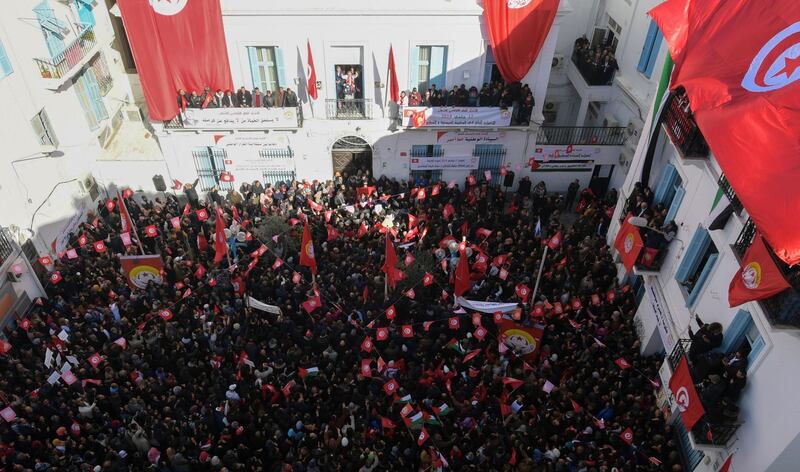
(220, 243)
(177, 44)
(629, 244)
(686, 397)
(307, 250)
(393, 274)
(745, 82)
(462, 282)
(517, 30)
(312, 74)
(758, 277)
(394, 87)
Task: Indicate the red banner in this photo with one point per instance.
(758, 277)
(629, 244)
(141, 270)
(177, 44)
(524, 340)
(745, 82)
(517, 30)
(686, 396)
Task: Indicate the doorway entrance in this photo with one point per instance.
(601, 176)
(350, 155)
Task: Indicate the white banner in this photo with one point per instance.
(561, 166)
(456, 117)
(241, 118)
(661, 312)
(470, 138)
(486, 307)
(436, 163)
(259, 305)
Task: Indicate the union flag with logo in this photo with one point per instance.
(739, 62)
(758, 277)
(629, 244)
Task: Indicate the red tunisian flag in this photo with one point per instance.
(394, 86)
(686, 397)
(220, 244)
(177, 44)
(752, 86)
(393, 274)
(307, 250)
(462, 282)
(629, 244)
(312, 74)
(517, 30)
(758, 277)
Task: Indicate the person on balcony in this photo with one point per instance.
(267, 102)
(243, 97)
(229, 99)
(216, 102)
(708, 337)
(291, 99)
(257, 98)
(414, 99)
(279, 98)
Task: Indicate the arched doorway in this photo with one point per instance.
(351, 154)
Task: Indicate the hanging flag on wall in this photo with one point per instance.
(312, 74)
(394, 87)
(177, 44)
(758, 277)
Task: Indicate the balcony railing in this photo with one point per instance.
(238, 118)
(59, 65)
(7, 245)
(582, 135)
(354, 109)
(595, 74)
(706, 431)
(781, 310)
(728, 191)
(683, 130)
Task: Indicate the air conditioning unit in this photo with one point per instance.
(88, 185)
(610, 122)
(558, 61)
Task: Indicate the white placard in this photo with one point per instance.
(436, 163)
(240, 118)
(456, 117)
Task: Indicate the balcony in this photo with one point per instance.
(714, 432)
(595, 71)
(730, 194)
(582, 135)
(237, 119)
(682, 129)
(73, 56)
(7, 245)
(348, 109)
(781, 310)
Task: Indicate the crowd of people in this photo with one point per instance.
(242, 98)
(495, 94)
(659, 231)
(219, 385)
(597, 65)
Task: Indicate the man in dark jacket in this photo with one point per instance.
(244, 97)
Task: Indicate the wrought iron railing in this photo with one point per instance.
(582, 135)
(681, 349)
(745, 238)
(729, 192)
(59, 65)
(7, 245)
(348, 109)
(682, 128)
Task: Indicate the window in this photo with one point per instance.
(424, 177)
(690, 457)
(696, 266)
(44, 130)
(282, 165)
(210, 163)
(53, 29)
(652, 43)
(428, 67)
(669, 191)
(84, 8)
(743, 334)
(266, 68)
(5, 63)
(91, 99)
(491, 158)
(104, 79)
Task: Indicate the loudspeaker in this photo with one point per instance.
(509, 180)
(158, 181)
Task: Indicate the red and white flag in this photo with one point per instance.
(99, 246)
(177, 44)
(307, 250)
(220, 244)
(312, 74)
(682, 387)
(95, 359)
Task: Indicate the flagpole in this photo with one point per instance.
(539, 276)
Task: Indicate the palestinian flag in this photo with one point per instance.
(442, 410)
(456, 346)
(416, 420)
(406, 398)
(310, 372)
(430, 419)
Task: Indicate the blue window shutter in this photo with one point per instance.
(692, 256)
(85, 13)
(438, 66)
(676, 204)
(254, 66)
(52, 28)
(647, 48)
(414, 77)
(437, 150)
(93, 89)
(734, 335)
(651, 61)
(755, 350)
(5, 63)
(666, 183)
(704, 275)
(418, 150)
(279, 66)
(81, 90)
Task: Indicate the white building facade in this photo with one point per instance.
(691, 277)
